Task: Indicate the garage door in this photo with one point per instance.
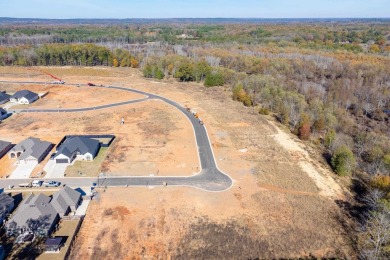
(62, 161)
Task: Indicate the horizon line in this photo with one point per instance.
(165, 18)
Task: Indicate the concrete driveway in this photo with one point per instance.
(54, 170)
(23, 170)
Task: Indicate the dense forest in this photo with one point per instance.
(328, 82)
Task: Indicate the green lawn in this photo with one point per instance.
(87, 169)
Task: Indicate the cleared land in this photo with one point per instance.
(278, 206)
(63, 96)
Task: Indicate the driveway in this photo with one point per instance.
(23, 170)
(54, 170)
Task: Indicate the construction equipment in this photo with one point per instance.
(58, 80)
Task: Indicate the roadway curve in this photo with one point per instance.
(210, 178)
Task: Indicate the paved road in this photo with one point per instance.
(210, 177)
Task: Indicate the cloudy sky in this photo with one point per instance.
(194, 8)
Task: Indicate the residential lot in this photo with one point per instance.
(280, 194)
(67, 229)
(87, 169)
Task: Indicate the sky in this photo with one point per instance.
(195, 8)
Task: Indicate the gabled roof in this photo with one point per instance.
(31, 147)
(4, 97)
(64, 198)
(35, 207)
(4, 145)
(80, 144)
(29, 95)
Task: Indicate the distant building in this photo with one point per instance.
(24, 97)
(30, 150)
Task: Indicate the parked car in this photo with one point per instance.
(91, 84)
(52, 183)
(25, 185)
(37, 183)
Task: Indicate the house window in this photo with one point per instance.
(18, 154)
(88, 158)
(12, 155)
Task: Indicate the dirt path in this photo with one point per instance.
(320, 175)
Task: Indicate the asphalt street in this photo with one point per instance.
(210, 178)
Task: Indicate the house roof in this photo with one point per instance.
(45, 208)
(27, 94)
(3, 111)
(5, 202)
(4, 97)
(31, 147)
(80, 144)
(64, 198)
(4, 145)
(53, 241)
(35, 207)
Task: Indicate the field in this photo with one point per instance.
(284, 202)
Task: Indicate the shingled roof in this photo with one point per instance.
(64, 198)
(3, 111)
(31, 147)
(3, 145)
(35, 207)
(80, 144)
(27, 94)
(4, 97)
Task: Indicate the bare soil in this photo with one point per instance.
(281, 205)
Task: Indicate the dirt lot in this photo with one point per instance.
(155, 139)
(62, 96)
(283, 203)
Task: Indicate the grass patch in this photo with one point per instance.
(87, 169)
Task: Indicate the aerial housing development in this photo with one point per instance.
(258, 137)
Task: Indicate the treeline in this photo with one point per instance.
(364, 37)
(65, 54)
(184, 69)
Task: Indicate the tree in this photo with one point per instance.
(134, 63)
(202, 69)
(329, 139)
(239, 94)
(185, 72)
(343, 161)
(304, 130)
(214, 79)
(386, 161)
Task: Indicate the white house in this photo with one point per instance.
(77, 148)
(24, 97)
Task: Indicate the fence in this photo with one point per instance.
(111, 137)
(72, 240)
